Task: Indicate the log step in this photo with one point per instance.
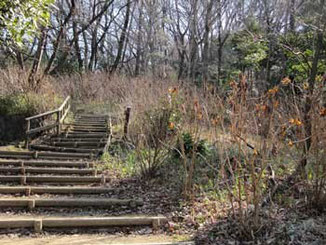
(63, 149)
(22, 179)
(91, 120)
(30, 190)
(77, 144)
(39, 223)
(90, 140)
(44, 163)
(86, 130)
(43, 155)
(73, 202)
(59, 171)
(85, 135)
(74, 126)
(90, 124)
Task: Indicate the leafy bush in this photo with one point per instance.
(189, 145)
(26, 104)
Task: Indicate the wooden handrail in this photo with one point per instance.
(48, 113)
(61, 114)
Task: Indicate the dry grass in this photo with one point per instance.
(254, 135)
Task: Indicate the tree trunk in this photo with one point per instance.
(32, 78)
(193, 41)
(122, 39)
(77, 48)
(292, 16)
(139, 39)
(208, 23)
(307, 117)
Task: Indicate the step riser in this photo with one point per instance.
(47, 164)
(41, 154)
(77, 130)
(79, 140)
(83, 136)
(78, 144)
(40, 203)
(55, 190)
(52, 171)
(62, 149)
(39, 224)
(59, 180)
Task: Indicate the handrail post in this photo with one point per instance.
(58, 122)
(127, 119)
(27, 134)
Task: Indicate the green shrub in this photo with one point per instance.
(27, 104)
(190, 145)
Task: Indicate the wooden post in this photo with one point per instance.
(58, 122)
(27, 133)
(127, 119)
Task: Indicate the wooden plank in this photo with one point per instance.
(35, 154)
(63, 149)
(40, 129)
(46, 163)
(73, 202)
(99, 221)
(48, 170)
(64, 103)
(90, 140)
(65, 114)
(48, 113)
(52, 179)
(55, 190)
(8, 223)
(62, 222)
(77, 144)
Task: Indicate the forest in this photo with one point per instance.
(227, 101)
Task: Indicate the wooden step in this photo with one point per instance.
(71, 202)
(46, 163)
(64, 149)
(77, 126)
(59, 180)
(90, 120)
(30, 190)
(44, 155)
(78, 144)
(73, 140)
(59, 171)
(87, 125)
(85, 135)
(40, 223)
(85, 144)
(81, 130)
(92, 115)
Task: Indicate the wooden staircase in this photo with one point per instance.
(60, 173)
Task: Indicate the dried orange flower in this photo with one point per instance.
(295, 121)
(255, 152)
(305, 86)
(173, 90)
(199, 115)
(273, 91)
(214, 121)
(322, 112)
(171, 125)
(286, 81)
(290, 143)
(261, 107)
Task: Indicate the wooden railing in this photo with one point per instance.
(60, 113)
